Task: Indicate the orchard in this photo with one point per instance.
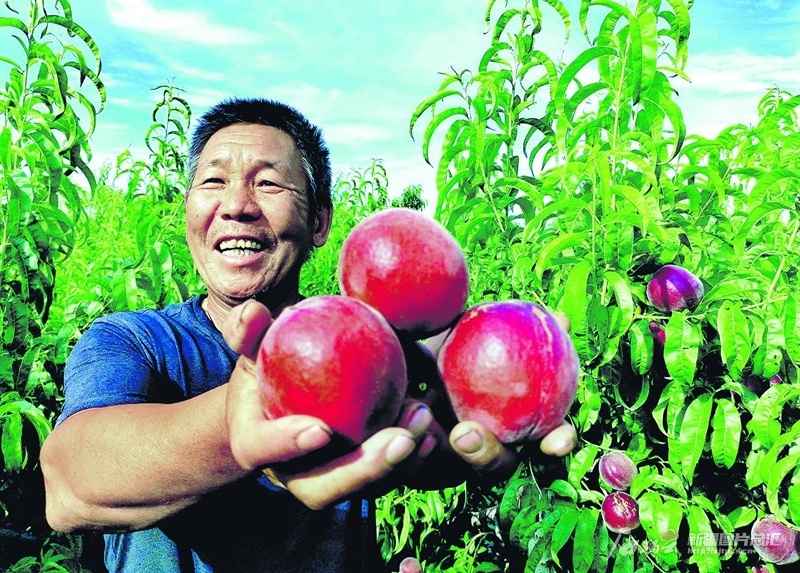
(568, 186)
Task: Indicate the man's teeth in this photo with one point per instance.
(240, 245)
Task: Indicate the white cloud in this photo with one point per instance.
(355, 134)
(123, 102)
(181, 25)
(202, 98)
(741, 72)
(726, 88)
(194, 73)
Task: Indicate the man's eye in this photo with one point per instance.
(267, 185)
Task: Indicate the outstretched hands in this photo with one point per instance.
(419, 451)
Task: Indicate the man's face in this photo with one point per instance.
(247, 213)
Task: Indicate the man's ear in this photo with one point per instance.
(322, 225)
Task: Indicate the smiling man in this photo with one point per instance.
(162, 443)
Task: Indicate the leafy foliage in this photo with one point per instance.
(570, 183)
(49, 101)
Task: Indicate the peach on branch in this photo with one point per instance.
(620, 512)
(674, 288)
(617, 470)
(774, 541)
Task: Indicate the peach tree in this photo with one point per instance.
(571, 180)
(49, 100)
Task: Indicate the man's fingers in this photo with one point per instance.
(267, 442)
(563, 320)
(481, 449)
(373, 460)
(256, 440)
(560, 441)
(245, 326)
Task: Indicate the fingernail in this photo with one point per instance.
(427, 445)
(418, 420)
(399, 449)
(312, 438)
(470, 442)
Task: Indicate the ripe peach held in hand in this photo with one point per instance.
(674, 288)
(408, 267)
(512, 367)
(335, 358)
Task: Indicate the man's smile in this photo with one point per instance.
(240, 247)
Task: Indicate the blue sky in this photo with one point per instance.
(360, 67)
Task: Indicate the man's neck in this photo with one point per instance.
(276, 301)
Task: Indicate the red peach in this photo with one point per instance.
(512, 367)
(408, 267)
(335, 358)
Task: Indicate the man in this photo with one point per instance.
(162, 442)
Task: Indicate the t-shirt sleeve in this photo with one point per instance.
(109, 365)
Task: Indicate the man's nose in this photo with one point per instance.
(238, 201)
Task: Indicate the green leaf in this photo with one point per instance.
(760, 211)
(651, 217)
(661, 518)
(434, 124)
(793, 502)
(792, 328)
(564, 489)
(571, 71)
(583, 547)
(765, 423)
(428, 103)
(11, 442)
(624, 557)
(529, 521)
(704, 551)
(642, 345)
(772, 345)
(742, 516)
(573, 305)
(734, 337)
(563, 531)
(520, 493)
(580, 462)
(693, 432)
(783, 468)
(726, 433)
(681, 348)
(557, 246)
(622, 294)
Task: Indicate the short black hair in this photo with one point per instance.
(260, 111)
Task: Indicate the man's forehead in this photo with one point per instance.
(277, 148)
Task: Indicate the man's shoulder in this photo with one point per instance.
(155, 331)
(182, 313)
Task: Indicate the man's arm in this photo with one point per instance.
(127, 467)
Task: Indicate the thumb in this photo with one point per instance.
(245, 326)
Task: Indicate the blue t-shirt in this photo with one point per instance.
(250, 525)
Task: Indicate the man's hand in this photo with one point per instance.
(419, 451)
(467, 450)
(257, 441)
